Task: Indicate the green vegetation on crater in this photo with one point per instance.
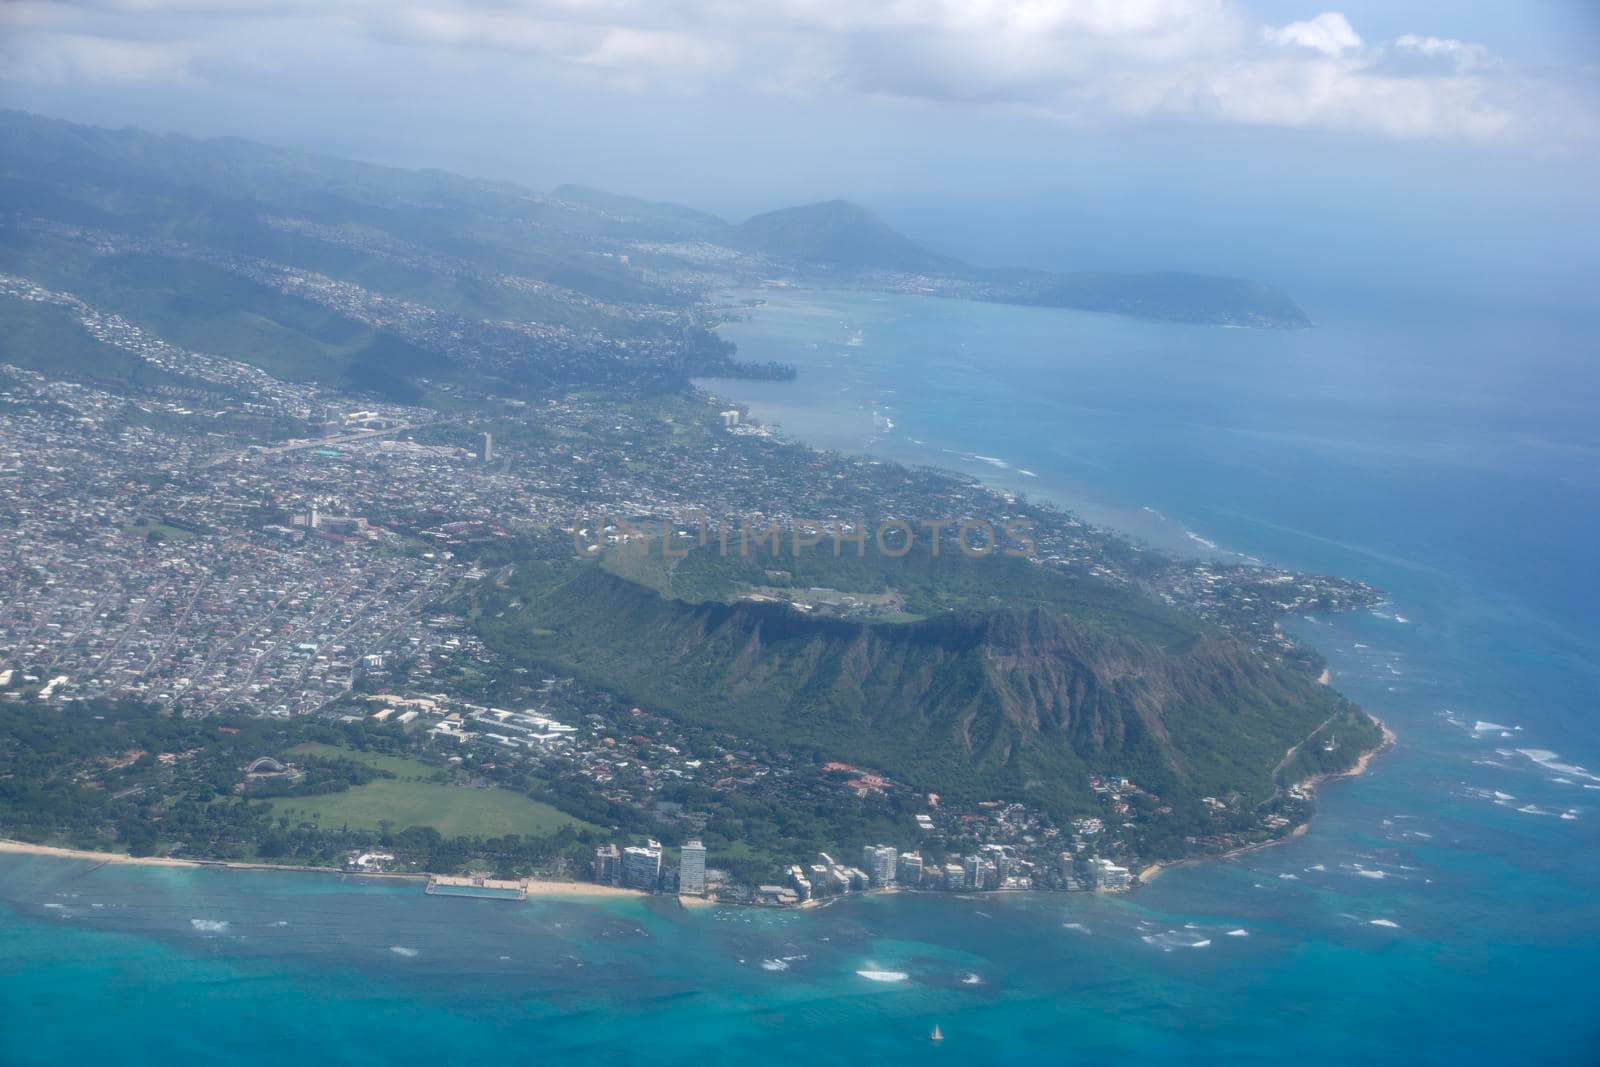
(1014, 681)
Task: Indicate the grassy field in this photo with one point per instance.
(416, 798)
(144, 527)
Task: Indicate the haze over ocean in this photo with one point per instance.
(1449, 896)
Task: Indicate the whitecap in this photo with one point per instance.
(1391, 924)
(209, 926)
(884, 976)
(1174, 939)
(1082, 929)
(1316, 867)
(56, 907)
(774, 965)
(1368, 873)
(1482, 727)
(972, 979)
(1239, 933)
(1549, 761)
(1289, 877)
(401, 950)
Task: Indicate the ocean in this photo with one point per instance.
(1442, 909)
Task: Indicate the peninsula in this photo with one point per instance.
(366, 518)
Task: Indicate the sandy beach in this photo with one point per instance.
(537, 887)
(544, 887)
(23, 848)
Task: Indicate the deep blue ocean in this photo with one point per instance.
(1443, 909)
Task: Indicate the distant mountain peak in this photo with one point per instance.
(842, 235)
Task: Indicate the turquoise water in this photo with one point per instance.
(1455, 467)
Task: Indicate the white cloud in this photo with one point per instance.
(1081, 60)
(1329, 33)
(1464, 57)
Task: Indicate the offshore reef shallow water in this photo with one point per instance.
(1442, 908)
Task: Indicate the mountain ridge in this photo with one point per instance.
(1022, 702)
(842, 235)
(176, 186)
(842, 238)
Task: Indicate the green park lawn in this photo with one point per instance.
(415, 798)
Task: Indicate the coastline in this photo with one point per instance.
(548, 887)
(1358, 768)
(551, 888)
(991, 480)
(24, 848)
(536, 887)
(1309, 785)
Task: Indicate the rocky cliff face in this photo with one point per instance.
(1025, 701)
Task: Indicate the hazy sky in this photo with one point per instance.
(1239, 135)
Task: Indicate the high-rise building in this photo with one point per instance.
(607, 865)
(692, 869)
(1103, 874)
(909, 869)
(972, 871)
(879, 863)
(988, 874)
(486, 449)
(641, 867)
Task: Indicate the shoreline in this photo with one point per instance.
(535, 887)
(1309, 785)
(991, 481)
(551, 888)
